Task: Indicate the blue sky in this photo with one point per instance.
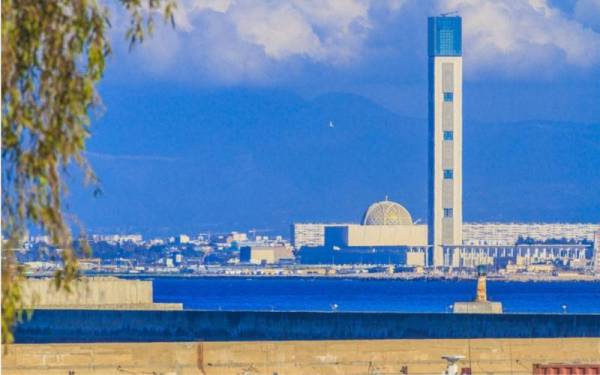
(234, 69)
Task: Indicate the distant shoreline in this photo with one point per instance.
(363, 277)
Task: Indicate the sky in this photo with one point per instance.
(195, 120)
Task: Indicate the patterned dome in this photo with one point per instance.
(387, 213)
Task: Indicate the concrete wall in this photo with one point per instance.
(93, 292)
(64, 326)
(486, 356)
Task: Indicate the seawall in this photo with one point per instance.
(349, 357)
(64, 326)
(250, 342)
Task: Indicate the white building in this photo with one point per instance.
(596, 261)
(385, 223)
(377, 235)
(471, 256)
(309, 234)
(265, 254)
(182, 239)
(237, 237)
(445, 135)
(504, 234)
(117, 238)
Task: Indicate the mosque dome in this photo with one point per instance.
(387, 213)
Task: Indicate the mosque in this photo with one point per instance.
(386, 235)
(387, 225)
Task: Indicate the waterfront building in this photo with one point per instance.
(508, 233)
(387, 235)
(596, 262)
(117, 238)
(445, 135)
(365, 255)
(265, 254)
(385, 223)
(376, 235)
(309, 234)
(469, 256)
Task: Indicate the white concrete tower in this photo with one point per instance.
(445, 136)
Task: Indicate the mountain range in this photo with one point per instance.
(238, 159)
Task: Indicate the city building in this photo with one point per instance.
(117, 238)
(309, 234)
(376, 235)
(596, 263)
(387, 229)
(265, 254)
(508, 233)
(385, 223)
(387, 235)
(470, 256)
(237, 237)
(445, 135)
(364, 255)
(182, 239)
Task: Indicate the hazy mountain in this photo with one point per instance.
(249, 158)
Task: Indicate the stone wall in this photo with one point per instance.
(93, 293)
(483, 356)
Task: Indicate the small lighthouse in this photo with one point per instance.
(481, 285)
(480, 305)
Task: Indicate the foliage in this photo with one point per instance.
(53, 55)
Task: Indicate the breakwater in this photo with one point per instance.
(89, 326)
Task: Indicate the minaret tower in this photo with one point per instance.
(445, 135)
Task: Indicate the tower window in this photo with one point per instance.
(448, 135)
(448, 97)
(448, 174)
(447, 212)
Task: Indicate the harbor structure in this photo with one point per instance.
(445, 135)
(480, 305)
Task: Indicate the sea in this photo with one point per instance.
(373, 295)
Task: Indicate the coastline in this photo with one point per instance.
(365, 277)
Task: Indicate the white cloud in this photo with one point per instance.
(318, 29)
(235, 40)
(281, 30)
(264, 41)
(522, 36)
(588, 13)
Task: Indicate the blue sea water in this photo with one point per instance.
(318, 294)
